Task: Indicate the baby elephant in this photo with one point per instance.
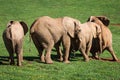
(13, 39)
(86, 33)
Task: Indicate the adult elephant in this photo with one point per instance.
(13, 38)
(106, 36)
(47, 32)
(84, 38)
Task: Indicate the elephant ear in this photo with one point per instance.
(25, 28)
(9, 23)
(92, 19)
(104, 20)
(97, 30)
(69, 25)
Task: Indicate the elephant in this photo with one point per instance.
(13, 37)
(106, 35)
(84, 38)
(47, 32)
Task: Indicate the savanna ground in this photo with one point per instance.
(32, 69)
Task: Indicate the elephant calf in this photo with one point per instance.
(13, 39)
(85, 35)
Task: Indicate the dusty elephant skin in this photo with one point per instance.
(13, 39)
(47, 32)
(106, 36)
(85, 35)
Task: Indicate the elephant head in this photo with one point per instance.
(71, 25)
(103, 19)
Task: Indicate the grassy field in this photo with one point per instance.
(32, 69)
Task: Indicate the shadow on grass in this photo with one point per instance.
(109, 59)
(106, 59)
(4, 60)
(31, 58)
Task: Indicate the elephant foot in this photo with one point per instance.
(49, 61)
(97, 58)
(19, 64)
(42, 59)
(60, 59)
(22, 60)
(115, 59)
(86, 60)
(67, 62)
(12, 63)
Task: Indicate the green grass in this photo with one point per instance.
(32, 69)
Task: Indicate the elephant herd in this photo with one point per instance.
(93, 37)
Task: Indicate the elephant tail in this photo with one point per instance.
(32, 27)
(30, 42)
(12, 40)
(30, 33)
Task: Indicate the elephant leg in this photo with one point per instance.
(18, 59)
(86, 58)
(39, 48)
(48, 50)
(59, 51)
(96, 55)
(110, 49)
(88, 47)
(12, 62)
(11, 55)
(83, 51)
(9, 47)
(42, 57)
(19, 53)
(66, 44)
(71, 51)
(93, 54)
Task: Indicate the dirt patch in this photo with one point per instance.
(108, 59)
(118, 24)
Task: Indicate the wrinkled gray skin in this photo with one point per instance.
(85, 34)
(47, 32)
(13, 39)
(106, 35)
